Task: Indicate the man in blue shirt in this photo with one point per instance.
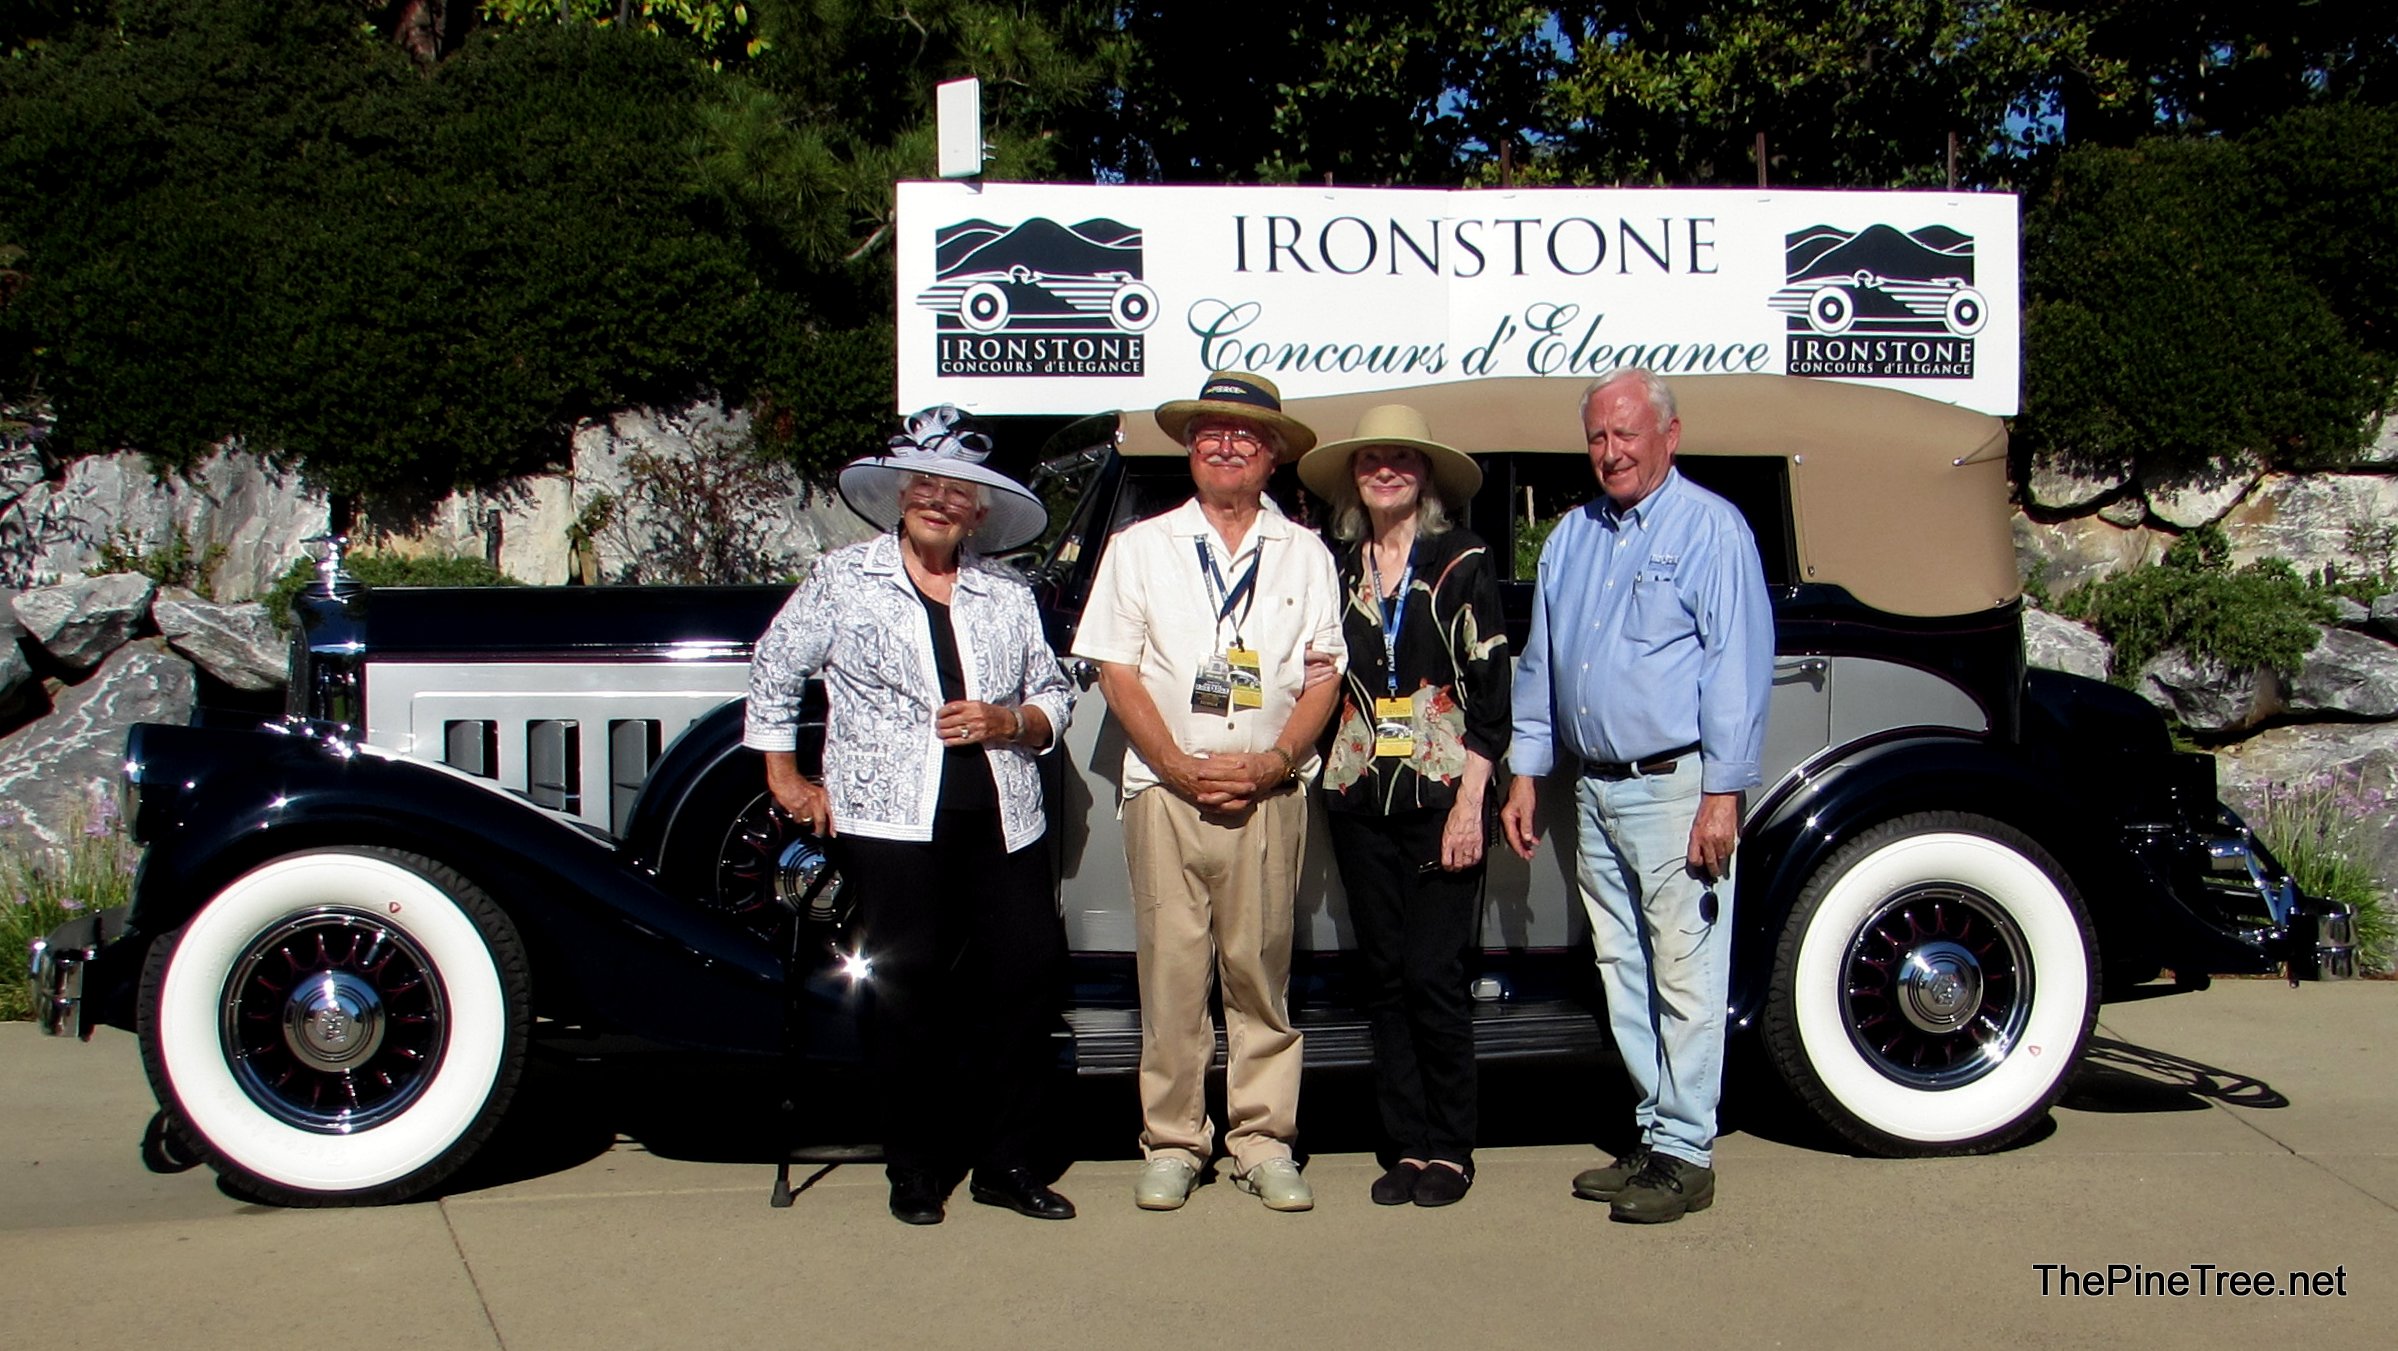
(1650, 663)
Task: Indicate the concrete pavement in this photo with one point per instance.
(2250, 1127)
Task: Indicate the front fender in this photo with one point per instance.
(609, 948)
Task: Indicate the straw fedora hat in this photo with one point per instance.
(1241, 395)
(1325, 470)
(943, 442)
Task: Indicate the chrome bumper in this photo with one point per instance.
(2335, 942)
(2241, 859)
(58, 965)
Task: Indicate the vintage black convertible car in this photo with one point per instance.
(507, 816)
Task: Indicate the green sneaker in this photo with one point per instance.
(1665, 1190)
(1604, 1184)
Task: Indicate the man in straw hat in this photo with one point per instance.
(1650, 661)
(1201, 621)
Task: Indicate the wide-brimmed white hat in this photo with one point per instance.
(943, 442)
(1326, 469)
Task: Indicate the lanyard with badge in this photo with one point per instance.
(1394, 717)
(1229, 679)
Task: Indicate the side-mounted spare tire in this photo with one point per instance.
(1934, 986)
(342, 1026)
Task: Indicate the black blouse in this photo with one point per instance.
(966, 783)
(1453, 667)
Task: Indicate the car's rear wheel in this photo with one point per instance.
(1934, 986)
(341, 1026)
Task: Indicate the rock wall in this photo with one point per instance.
(2333, 723)
(257, 518)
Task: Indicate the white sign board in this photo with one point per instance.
(1038, 298)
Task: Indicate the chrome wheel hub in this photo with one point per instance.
(1940, 987)
(333, 1021)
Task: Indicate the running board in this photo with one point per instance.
(1108, 1041)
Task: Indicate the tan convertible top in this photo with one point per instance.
(1899, 499)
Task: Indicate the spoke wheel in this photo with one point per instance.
(335, 1021)
(340, 1026)
(1934, 986)
(1938, 986)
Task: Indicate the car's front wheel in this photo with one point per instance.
(341, 1026)
(1934, 986)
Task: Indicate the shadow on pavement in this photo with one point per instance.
(2117, 1076)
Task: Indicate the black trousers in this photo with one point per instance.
(1414, 929)
(968, 972)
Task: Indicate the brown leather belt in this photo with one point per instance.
(1662, 762)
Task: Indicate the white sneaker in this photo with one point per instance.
(1277, 1183)
(1164, 1184)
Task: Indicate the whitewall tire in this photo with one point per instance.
(1934, 986)
(340, 1026)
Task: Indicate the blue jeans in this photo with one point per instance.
(1664, 951)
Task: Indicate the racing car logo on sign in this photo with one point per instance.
(1039, 298)
(1880, 302)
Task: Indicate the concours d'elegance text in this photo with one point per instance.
(2194, 1279)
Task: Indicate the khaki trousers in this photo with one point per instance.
(1215, 894)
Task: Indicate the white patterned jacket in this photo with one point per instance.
(857, 622)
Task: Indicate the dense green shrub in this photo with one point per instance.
(2263, 614)
(381, 569)
(2178, 323)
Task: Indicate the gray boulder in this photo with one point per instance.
(2385, 613)
(2126, 512)
(80, 622)
(2187, 506)
(2315, 520)
(2057, 644)
(233, 505)
(2208, 698)
(2083, 549)
(2383, 448)
(2062, 488)
(14, 669)
(63, 767)
(237, 644)
(2347, 674)
(2348, 614)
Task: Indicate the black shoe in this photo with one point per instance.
(1603, 1184)
(1664, 1191)
(1019, 1191)
(1396, 1187)
(916, 1198)
(1442, 1185)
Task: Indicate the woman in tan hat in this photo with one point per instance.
(1423, 717)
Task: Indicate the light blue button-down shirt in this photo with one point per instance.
(1651, 631)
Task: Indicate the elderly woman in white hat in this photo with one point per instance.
(941, 691)
(1424, 715)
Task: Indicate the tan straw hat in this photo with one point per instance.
(1455, 476)
(1239, 394)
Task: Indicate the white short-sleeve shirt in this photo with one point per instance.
(1152, 606)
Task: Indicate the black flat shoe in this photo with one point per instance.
(1441, 1185)
(1396, 1187)
(1019, 1191)
(916, 1199)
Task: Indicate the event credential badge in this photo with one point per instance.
(1248, 686)
(1394, 727)
(1211, 691)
